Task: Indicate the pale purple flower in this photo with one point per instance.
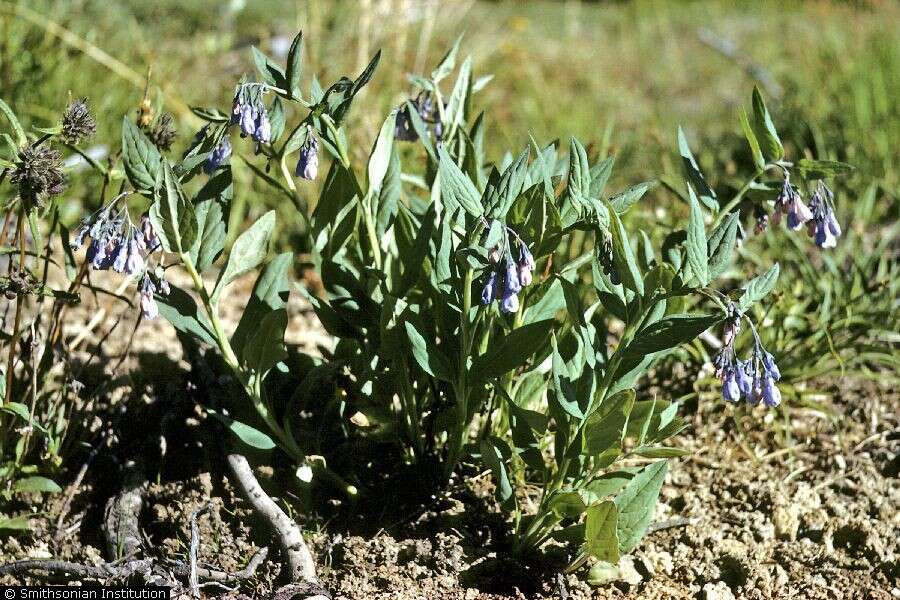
(510, 302)
(771, 395)
(308, 162)
(489, 291)
(263, 127)
(511, 282)
(247, 120)
(221, 152)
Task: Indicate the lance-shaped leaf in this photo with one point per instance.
(211, 208)
(771, 143)
(669, 332)
(179, 309)
(758, 161)
(821, 169)
(248, 434)
(623, 257)
(579, 182)
(511, 351)
(695, 245)
(695, 177)
(759, 287)
(380, 158)
(636, 504)
(389, 196)
(140, 157)
(427, 354)
(258, 339)
(720, 245)
(247, 253)
(21, 138)
(268, 70)
(457, 190)
(447, 64)
(605, 428)
(294, 66)
(601, 539)
(622, 201)
(495, 452)
(171, 214)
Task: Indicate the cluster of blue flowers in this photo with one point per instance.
(752, 379)
(427, 110)
(507, 277)
(818, 217)
(117, 244)
(249, 113)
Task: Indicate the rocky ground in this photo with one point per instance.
(800, 503)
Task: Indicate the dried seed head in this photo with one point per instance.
(163, 133)
(38, 174)
(77, 123)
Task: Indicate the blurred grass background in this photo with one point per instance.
(619, 75)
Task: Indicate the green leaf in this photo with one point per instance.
(511, 351)
(721, 245)
(294, 65)
(171, 214)
(20, 523)
(492, 455)
(763, 120)
(623, 257)
(258, 339)
(427, 354)
(389, 195)
(248, 251)
(601, 539)
(622, 201)
(579, 183)
(759, 287)
(17, 408)
(669, 332)
(695, 177)
(696, 241)
(456, 104)
(211, 114)
(758, 161)
(211, 209)
(457, 190)
(270, 72)
(447, 64)
(36, 484)
(636, 504)
(21, 138)
(822, 169)
(605, 428)
(140, 157)
(179, 309)
(380, 158)
(659, 452)
(565, 504)
(249, 435)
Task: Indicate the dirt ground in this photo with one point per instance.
(800, 503)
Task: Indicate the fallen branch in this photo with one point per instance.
(298, 558)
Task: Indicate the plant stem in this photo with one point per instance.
(457, 438)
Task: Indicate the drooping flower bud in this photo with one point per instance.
(771, 395)
(511, 281)
(489, 291)
(263, 131)
(731, 391)
(744, 377)
(510, 302)
(219, 154)
(403, 127)
(308, 163)
(247, 120)
(771, 367)
(149, 308)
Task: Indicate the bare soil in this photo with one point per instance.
(794, 503)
